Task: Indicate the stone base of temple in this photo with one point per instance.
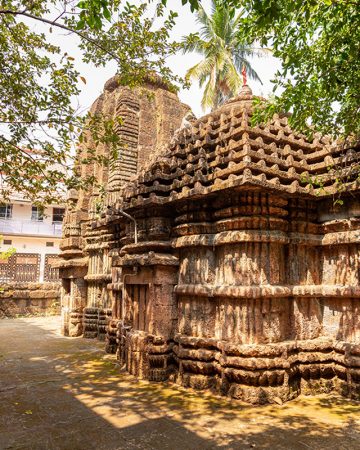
(104, 316)
(95, 323)
(266, 373)
(273, 372)
(145, 356)
(76, 323)
(91, 323)
(111, 339)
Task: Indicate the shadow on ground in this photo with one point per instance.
(61, 393)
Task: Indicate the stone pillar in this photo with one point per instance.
(233, 297)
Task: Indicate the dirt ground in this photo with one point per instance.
(62, 393)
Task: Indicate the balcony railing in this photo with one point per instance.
(30, 227)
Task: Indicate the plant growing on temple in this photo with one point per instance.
(39, 124)
(224, 55)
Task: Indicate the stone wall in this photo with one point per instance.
(29, 299)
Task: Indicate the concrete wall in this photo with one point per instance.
(22, 211)
(30, 236)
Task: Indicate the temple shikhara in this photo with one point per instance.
(211, 258)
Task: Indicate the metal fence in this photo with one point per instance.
(20, 267)
(51, 272)
(30, 227)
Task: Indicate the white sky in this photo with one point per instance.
(185, 24)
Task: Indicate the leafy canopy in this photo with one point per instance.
(224, 56)
(39, 124)
(318, 43)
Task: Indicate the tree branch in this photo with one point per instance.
(42, 122)
(25, 153)
(64, 27)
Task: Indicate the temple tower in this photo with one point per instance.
(149, 115)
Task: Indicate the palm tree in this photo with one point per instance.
(224, 55)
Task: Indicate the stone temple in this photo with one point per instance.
(209, 261)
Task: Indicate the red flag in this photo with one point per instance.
(243, 72)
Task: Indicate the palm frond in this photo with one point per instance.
(208, 96)
(240, 61)
(236, 21)
(194, 43)
(201, 69)
(252, 74)
(214, 6)
(262, 52)
(206, 30)
(202, 80)
(224, 56)
(220, 20)
(251, 52)
(232, 77)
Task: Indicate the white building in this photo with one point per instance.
(35, 234)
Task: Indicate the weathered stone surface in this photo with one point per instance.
(29, 299)
(237, 276)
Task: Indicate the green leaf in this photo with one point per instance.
(80, 25)
(106, 13)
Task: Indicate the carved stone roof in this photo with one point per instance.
(223, 150)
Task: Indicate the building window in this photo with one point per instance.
(49, 244)
(7, 241)
(5, 211)
(58, 214)
(37, 213)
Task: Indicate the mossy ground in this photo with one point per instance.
(61, 393)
